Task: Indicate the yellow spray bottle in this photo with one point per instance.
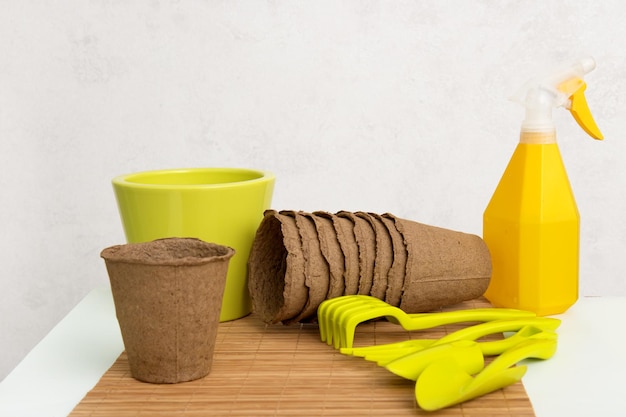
(531, 224)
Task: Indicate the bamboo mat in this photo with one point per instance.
(261, 370)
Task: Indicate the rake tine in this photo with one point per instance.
(354, 304)
(369, 308)
(324, 316)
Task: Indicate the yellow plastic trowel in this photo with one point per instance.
(448, 382)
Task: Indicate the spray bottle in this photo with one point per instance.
(531, 224)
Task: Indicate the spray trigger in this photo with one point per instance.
(580, 110)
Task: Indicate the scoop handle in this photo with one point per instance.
(539, 349)
(499, 326)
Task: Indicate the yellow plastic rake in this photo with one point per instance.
(338, 317)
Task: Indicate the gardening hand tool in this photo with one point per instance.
(446, 382)
(338, 317)
(410, 366)
(529, 328)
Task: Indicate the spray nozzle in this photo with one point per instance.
(564, 88)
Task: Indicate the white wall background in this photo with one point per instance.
(396, 106)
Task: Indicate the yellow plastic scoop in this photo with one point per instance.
(528, 328)
(411, 366)
(338, 317)
(466, 352)
(447, 382)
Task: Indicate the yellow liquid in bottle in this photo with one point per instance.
(531, 227)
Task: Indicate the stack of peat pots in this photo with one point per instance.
(299, 259)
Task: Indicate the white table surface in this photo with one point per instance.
(584, 378)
